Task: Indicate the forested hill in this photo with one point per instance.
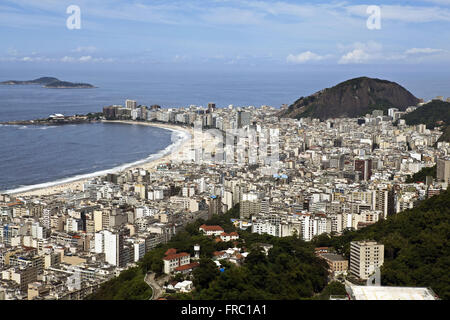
(417, 246)
(433, 114)
(352, 98)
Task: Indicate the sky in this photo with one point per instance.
(225, 34)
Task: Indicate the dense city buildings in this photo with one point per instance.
(290, 177)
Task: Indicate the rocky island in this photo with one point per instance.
(51, 83)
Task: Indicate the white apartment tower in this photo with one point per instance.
(111, 244)
(365, 257)
(130, 104)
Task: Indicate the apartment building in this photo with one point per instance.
(365, 257)
(175, 260)
(443, 170)
(337, 264)
(211, 230)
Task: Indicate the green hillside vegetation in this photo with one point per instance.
(290, 271)
(334, 288)
(129, 285)
(430, 114)
(422, 175)
(446, 135)
(434, 114)
(417, 247)
(66, 84)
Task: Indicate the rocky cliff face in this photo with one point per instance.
(352, 98)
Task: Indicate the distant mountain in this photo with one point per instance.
(49, 82)
(433, 114)
(352, 98)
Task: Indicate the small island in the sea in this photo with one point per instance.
(51, 83)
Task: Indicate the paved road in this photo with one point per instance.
(157, 291)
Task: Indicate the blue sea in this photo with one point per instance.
(32, 155)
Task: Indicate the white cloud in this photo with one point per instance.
(85, 49)
(304, 57)
(355, 56)
(361, 52)
(85, 59)
(67, 59)
(422, 51)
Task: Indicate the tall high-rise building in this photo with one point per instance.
(385, 201)
(364, 167)
(130, 104)
(243, 119)
(443, 170)
(211, 107)
(214, 205)
(365, 257)
(111, 244)
(249, 205)
(140, 190)
(46, 216)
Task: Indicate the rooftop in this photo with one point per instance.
(211, 228)
(390, 293)
(333, 257)
(176, 256)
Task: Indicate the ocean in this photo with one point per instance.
(31, 155)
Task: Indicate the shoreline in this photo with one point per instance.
(147, 163)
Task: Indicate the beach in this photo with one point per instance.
(77, 185)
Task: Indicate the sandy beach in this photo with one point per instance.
(77, 185)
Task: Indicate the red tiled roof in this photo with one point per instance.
(231, 234)
(187, 266)
(10, 204)
(176, 256)
(170, 251)
(211, 228)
